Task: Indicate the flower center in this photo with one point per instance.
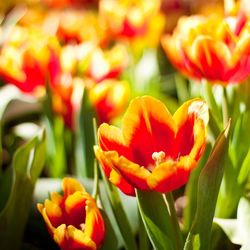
(158, 157)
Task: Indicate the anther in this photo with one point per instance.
(158, 157)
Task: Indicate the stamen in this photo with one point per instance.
(82, 226)
(158, 157)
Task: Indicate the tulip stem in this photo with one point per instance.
(143, 237)
(95, 192)
(224, 107)
(176, 227)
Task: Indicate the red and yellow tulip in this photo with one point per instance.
(109, 97)
(68, 3)
(26, 57)
(80, 26)
(128, 18)
(214, 48)
(153, 150)
(107, 64)
(66, 92)
(73, 219)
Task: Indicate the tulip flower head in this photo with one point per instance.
(153, 150)
(71, 23)
(73, 220)
(128, 18)
(214, 48)
(109, 97)
(66, 97)
(25, 58)
(107, 64)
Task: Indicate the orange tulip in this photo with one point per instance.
(69, 3)
(107, 64)
(66, 92)
(153, 150)
(128, 18)
(26, 57)
(76, 26)
(109, 97)
(73, 220)
(213, 48)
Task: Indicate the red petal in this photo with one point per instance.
(148, 127)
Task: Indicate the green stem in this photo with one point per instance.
(143, 237)
(225, 107)
(209, 96)
(120, 215)
(170, 202)
(96, 181)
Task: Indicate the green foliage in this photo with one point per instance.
(208, 188)
(157, 220)
(20, 180)
(85, 139)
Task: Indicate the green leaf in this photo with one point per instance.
(85, 139)
(120, 215)
(208, 188)
(7, 96)
(209, 94)
(245, 170)
(27, 165)
(55, 129)
(191, 191)
(144, 243)
(56, 147)
(156, 220)
(110, 242)
(230, 192)
(240, 142)
(181, 88)
(236, 168)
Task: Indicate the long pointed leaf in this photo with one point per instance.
(156, 219)
(208, 188)
(27, 165)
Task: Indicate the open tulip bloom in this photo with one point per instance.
(153, 150)
(73, 220)
(213, 48)
(185, 169)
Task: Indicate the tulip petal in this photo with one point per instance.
(171, 175)
(42, 210)
(71, 185)
(212, 57)
(111, 138)
(54, 212)
(105, 160)
(79, 240)
(186, 117)
(75, 208)
(132, 172)
(94, 225)
(59, 236)
(148, 127)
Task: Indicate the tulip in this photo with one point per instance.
(214, 48)
(66, 92)
(71, 23)
(109, 97)
(153, 150)
(107, 64)
(25, 58)
(128, 19)
(73, 219)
